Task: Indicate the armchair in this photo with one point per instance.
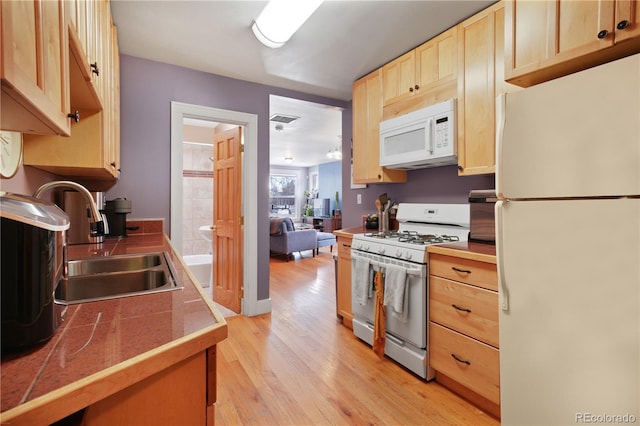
(284, 239)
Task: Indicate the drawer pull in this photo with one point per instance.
(460, 360)
(461, 309)
(462, 271)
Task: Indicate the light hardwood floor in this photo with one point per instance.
(299, 366)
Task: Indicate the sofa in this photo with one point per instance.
(285, 240)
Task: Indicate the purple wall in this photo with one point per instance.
(433, 185)
(147, 89)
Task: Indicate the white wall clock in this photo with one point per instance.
(10, 153)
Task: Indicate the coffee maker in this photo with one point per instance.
(116, 211)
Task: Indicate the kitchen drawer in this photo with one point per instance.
(470, 310)
(468, 271)
(477, 366)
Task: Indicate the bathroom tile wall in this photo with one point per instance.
(197, 196)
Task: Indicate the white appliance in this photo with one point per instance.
(568, 248)
(420, 139)
(419, 226)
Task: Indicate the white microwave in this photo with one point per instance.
(420, 139)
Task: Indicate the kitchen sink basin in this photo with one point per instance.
(100, 265)
(116, 276)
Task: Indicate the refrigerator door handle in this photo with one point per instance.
(503, 294)
(500, 119)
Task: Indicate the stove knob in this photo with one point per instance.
(381, 250)
(399, 253)
(408, 256)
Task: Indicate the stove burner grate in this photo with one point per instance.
(413, 237)
(382, 234)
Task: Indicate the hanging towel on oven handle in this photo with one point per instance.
(379, 318)
(362, 280)
(396, 292)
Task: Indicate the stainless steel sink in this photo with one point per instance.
(116, 276)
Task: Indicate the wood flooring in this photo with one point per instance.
(298, 365)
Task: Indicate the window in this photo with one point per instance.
(282, 194)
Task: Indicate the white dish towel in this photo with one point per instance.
(361, 280)
(396, 293)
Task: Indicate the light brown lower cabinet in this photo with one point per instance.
(463, 326)
(343, 284)
(184, 394)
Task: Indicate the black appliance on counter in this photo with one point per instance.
(482, 228)
(33, 241)
(116, 211)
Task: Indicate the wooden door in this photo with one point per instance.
(227, 219)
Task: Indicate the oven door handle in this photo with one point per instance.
(391, 337)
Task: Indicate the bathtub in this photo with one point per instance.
(200, 266)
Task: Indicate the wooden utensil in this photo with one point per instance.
(379, 207)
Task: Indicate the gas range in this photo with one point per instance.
(420, 225)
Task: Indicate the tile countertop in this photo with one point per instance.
(105, 346)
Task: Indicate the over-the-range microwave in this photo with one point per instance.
(420, 139)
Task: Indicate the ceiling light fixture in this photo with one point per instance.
(288, 159)
(280, 19)
(335, 154)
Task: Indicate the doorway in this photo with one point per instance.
(179, 111)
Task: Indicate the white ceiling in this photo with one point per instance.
(340, 42)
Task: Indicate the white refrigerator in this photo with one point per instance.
(568, 248)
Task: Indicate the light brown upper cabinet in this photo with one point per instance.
(34, 67)
(424, 68)
(367, 114)
(480, 81)
(552, 38)
(92, 150)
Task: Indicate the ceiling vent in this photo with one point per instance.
(283, 118)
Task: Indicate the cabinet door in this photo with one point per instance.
(367, 113)
(437, 61)
(542, 34)
(476, 103)
(577, 28)
(93, 148)
(526, 35)
(553, 38)
(35, 67)
(481, 79)
(343, 285)
(627, 20)
(399, 78)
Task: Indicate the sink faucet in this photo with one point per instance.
(97, 225)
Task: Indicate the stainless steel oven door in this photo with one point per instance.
(414, 330)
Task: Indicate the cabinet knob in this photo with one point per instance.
(602, 34)
(622, 24)
(416, 87)
(411, 89)
(459, 167)
(94, 68)
(74, 115)
(113, 164)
